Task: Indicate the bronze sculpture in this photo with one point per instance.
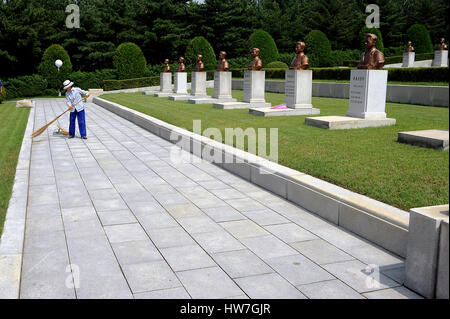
(372, 59)
(200, 67)
(166, 68)
(256, 64)
(410, 48)
(301, 61)
(442, 46)
(181, 66)
(223, 64)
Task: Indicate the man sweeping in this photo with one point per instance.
(76, 107)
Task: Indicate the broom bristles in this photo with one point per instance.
(42, 129)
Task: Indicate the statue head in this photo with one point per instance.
(181, 60)
(222, 55)
(371, 40)
(409, 43)
(199, 58)
(300, 47)
(442, 40)
(255, 52)
(166, 61)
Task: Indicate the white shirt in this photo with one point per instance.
(73, 96)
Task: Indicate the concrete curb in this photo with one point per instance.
(380, 223)
(11, 242)
(406, 94)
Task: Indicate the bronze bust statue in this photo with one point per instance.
(372, 59)
(200, 67)
(223, 64)
(181, 66)
(301, 61)
(256, 64)
(442, 46)
(410, 48)
(166, 66)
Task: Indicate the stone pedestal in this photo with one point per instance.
(165, 84)
(254, 88)
(368, 94)
(180, 86)
(440, 58)
(222, 90)
(423, 271)
(408, 59)
(198, 84)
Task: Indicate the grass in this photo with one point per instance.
(368, 161)
(389, 82)
(13, 122)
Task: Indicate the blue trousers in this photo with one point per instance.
(81, 123)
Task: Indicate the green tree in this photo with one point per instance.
(49, 71)
(129, 61)
(318, 48)
(420, 38)
(264, 42)
(199, 45)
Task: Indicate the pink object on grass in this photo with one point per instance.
(282, 106)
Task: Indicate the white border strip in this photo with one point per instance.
(13, 236)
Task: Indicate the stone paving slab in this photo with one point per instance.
(125, 221)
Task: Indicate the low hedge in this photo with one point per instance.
(395, 74)
(25, 86)
(110, 85)
(395, 59)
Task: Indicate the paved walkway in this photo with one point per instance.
(114, 217)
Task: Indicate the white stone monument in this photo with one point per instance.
(408, 59)
(180, 87)
(298, 96)
(368, 94)
(222, 90)
(198, 84)
(440, 58)
(367, 107)
(254, 89)
(165, 84)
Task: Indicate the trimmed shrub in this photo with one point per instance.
(92, 80)
(48, 69)
(199, 45)
(286, 58)
(339, 57)
(265, 43)
(238, 63)
(395, 74)
(420, 38)
(362, 37)
(129, 61)
(318, 49)
(277, 65)
(25, 86)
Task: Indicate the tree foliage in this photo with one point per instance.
(49, 71)
(264, 42)
(163, 28)
(420, 38)
(318, 48)
(199, 45)
(129, 61)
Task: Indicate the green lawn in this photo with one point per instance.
(13, 122)
(368, 161)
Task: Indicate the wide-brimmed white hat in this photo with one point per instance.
(67, 84)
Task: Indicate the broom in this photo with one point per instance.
(42, 129)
